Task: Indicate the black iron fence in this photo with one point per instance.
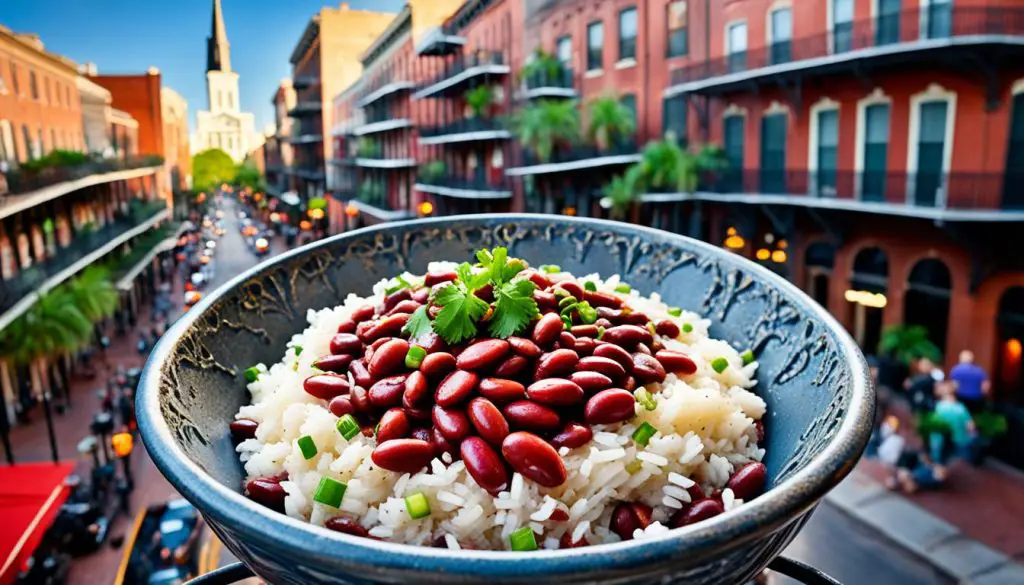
(469, 184)
(305, 108)
(578, 152)
(20, 181)
(462, 126)
(543, 79)
(466, 61)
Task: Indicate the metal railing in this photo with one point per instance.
(304, 81)
(83, 243)
(466, 61)
(936, 21)
(579, 152)
(471, 184)
(305, 107)
(462, 126)
(20, 181)
(562, 79)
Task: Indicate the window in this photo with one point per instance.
(773, 153)
(887, 24)
(46, 88)
(736, 46)
(6, 143)
(563, 50)
(67, 95)
(33, 85)
(231, 100)
(931, 151)
(678, 41)
(595, 46)
(781, 32)
(26, 135)
(828, 151)
(38, 146)
(733, 143)
(627, 34)
(842, 27)
(14, 79)
(940, 19)
(673, 121)
(876, 152)
(53, 139)
(629, 101)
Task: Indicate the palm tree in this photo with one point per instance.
(621, 193)
(546, 125)
(907, 343)
(609, 121)
(93, 293)
(544, 67)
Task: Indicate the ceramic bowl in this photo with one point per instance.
(812, 375)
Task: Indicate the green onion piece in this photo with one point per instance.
(298, 350)
(634, 466)
(414, 357)
(523, 540)
(251, 374)
(329, 492)
(587, 313)
(646, 399)
(652, 328)
(590, 285)
(675, 311)
(348, 427)
(418, 505)
(643, 433)
(566, 302)
(623, 288)
(687, 328)
(600, 332)
(307, 446)
(551, 268)
(567, 322)
(719, 364)
(561, 292)
(748, 357)
(484, 257)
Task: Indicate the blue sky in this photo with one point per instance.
(128, 36)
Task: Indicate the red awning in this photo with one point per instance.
(31, 494)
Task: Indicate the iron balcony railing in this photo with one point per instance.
(20, 181)
(462, 183)
(305, 107)
(304, 81)
(580, 152)
(544, 79)
(463, 126)
(85, 242)
(464, 62)
(935, 21)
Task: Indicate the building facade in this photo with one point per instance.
(177, 154)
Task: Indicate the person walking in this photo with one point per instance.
(921, 386)
(973, 385)
(957, 419)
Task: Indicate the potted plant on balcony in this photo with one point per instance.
(609, 122)
(479, 100)
(546, 126)
(622, 193)
(544, 69)
(431, 172)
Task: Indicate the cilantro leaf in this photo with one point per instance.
(400, 282)
(514, 308)
(460, 310)
(419, 324)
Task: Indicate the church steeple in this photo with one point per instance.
(218, 53)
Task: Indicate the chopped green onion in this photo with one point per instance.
(567, 322)
(590, 285)
(307, 446)
(347, 426)
(298, 350)
(329, 492)
(587, 313)
(643, 433)
(646, 399)
(418, 505)
(566, 302)
(687, 328)
(623, 288)
(719, 364)
(551, 268)
(600, 332)
(414, 357)
(484, 257)
(634, 466)
(748, 357)
(251, 374)
(675, 311)
(652, 328)
(561, 292)
(523, 540)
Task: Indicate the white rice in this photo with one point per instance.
(705, 426)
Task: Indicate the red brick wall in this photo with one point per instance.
(139, 95)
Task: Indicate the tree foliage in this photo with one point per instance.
(609, 121)
(479, 100)
(211, 168)
(907, 343)
(545, 125)
(247, 175)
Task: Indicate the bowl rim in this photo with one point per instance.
(767, 513)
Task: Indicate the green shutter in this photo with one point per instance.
(876, 152)
(887, 27)
(1013, 185)
(931, 144)
(733, 130)
(828, 152)
(673, 122)
(773, 153)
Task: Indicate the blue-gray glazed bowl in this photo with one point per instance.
(812, 375)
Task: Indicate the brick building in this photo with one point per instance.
(278, 146)
(177, 154)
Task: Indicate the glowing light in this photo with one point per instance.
(122, 444)
(763, 254)
(1013, 349)
(261, 245)
(866, 298)
(730, 231)
(426, 208)
(734, 242)
(204, 259)
(779, 256)
(769, 238)
(570, 211)
(275, 217)
(351, 210)
(317, 213)
(783, 244)
(258, 197)
(305, 226)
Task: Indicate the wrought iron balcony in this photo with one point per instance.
(576, 158)
(463, 72)
(304, 81)
(21, 181)
(306, 138)
(438, 42)
(463, 188)
(305, 108)
(465, 130)
(544, 84)
(383, 88)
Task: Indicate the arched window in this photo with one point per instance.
(1009, 376)
(819, 261)
(869, 284)
(927, 299)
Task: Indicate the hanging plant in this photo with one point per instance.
(546, 125)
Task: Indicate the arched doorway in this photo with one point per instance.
(819, 261)
(927, 299)
(869, 285)
(1009, 377)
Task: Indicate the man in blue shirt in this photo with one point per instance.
(972, 382)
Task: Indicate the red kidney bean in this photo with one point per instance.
(326, 386)
(641, 348)
(484, 465)
(537, 278)
(533, 457)
(566, 541)
(368, 354)
(545, 301)
(408, 306)
(530, 415)
(512, 366)
(347, 525)
(676, 363)
(363, 313)
(340, 406)
(455, 388)
(266, 491)
(487, 420)
(360, 374)
(453, 424)
(616, 353)
(394, 424)
(432, 342)
(547, 329)
(602, 299)
(421, 295)
(363, 328)
(422, 434)
(627, 336)
(416, 392)
(697, 511)
(432, 278)
(501, 390)
(433, 311)
(667, 328)
(591, 381)
(572, 287)
(346, 343)
(748, 481)
(486, 293)
(634, 318)
(243, 428)
(559, 515)
(418, 414)
(657, 346)
(602, 322)
(585, 346)
(440, 443)
(566, 340)
(555, 392)
(609, 314)
(556, 363)
(629, 384)
(647, 370)
(524, 347)
(759, 427)
(360, 399)
(347, 326)
(387, 392)
(584, 331)
(609, 406)
(389, 326)
(482, 355)
(572, 436)
(438, 364)
(602, 365)
(388, 358)
(403, 455)
(629, 517)
(391, 300)
(334, 363)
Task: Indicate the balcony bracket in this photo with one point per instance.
(975, 64)
(835, 232)
(783, 220)
(863, 76)
(702, 105)
(794, 91)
